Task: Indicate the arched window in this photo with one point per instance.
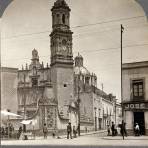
(63, 19)
(64, 42)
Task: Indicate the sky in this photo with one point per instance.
(26, 24)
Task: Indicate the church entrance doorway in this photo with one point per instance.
(139, 118)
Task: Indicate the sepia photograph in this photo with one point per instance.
(74, 72)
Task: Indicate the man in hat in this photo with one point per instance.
(69, 131)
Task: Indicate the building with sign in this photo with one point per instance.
(135, 96)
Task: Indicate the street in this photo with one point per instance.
(88, 140)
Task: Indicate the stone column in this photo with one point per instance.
(129, 119)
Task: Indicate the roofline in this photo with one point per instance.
(133, 65)
(8, 69)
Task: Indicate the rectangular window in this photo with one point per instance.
(34, 81)
(138, 89)
(87, 80)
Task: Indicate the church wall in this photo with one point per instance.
(63, 85)
(108, 112)
(61, 124)
(86, 111)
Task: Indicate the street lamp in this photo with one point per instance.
(122, 29)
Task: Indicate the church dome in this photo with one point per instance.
(79, 68)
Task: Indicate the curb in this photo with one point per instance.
(84, 134)
(125, 138)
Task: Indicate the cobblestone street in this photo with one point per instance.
(88, 140)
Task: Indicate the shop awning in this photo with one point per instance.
(6, 113)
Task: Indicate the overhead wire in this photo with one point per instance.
(79, 26)
(97, 50)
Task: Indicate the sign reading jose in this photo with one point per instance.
(136, 106)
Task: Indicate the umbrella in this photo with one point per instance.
(6, 113)
(33, 122)
(26, 122)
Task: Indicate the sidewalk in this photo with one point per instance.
(126, 138)
(82, 134)
(101, 133)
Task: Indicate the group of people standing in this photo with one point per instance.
(70, 130)
(115, 130)
(121, 128)
(7, 131)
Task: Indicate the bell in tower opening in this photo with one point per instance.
(61, 36)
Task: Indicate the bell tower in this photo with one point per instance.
(62, 71)
(61, 35)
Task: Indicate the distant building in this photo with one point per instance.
(118, 114)
(9, 89)
(135, 96)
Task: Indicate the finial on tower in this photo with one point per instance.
(35, 54)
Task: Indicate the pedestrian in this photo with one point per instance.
(137, 130)
(78, 129)
(74, 132)
(45, 131)
(53, 134)
(20, 132)
(108, 130)
(86, 129)
(124, 129)
(69, 131)
(113, 129)
(2, 132)
(6, 131)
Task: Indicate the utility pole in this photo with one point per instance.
(95, 119)
(78, 101)
(24, 126)
(122, 29)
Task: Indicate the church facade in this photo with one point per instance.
(65, 91)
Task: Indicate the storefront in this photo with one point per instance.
(139, 112)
